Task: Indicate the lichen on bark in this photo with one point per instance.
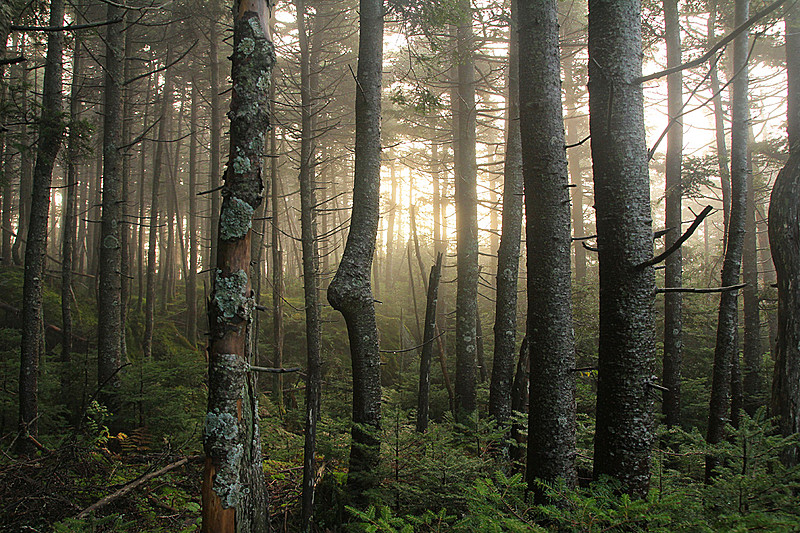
(236, 218)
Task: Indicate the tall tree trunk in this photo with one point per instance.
(350, 292)
(69, 227)
(308, 228)
(752, 381)
(673, 275)
(727, 339)
(625, 240)
(391, 216)
(125, 229)
(109, 305)
(574, 126)
(140, 256)
(25, 170)
(551, 445)
(216, 141)
(784, 240)
(505, 323)
(158, 168)
(234, 494)
(466, 218)
(427, 346)
(51, 128)
(191, 275)
(277, 274)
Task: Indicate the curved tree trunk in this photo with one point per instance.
(551, 415)
(625, 240)
(51, 128)
(234, 490)
(350, 292)
(784, 239)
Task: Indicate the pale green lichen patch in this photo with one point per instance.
(247, 46)
(221, 425)
(236, 219)
(227, 482)
(230, 296)
(241, 163)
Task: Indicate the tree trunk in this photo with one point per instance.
(277, 275)
(574, 127)
(191, 275)
(69, 228)
(727, 339)
(784, 240)
(466, 218)
(51, 128)
(350, 291)
(625, 240)
(308, 229)
(505, 322)
(216, 141)
(109, 305)
(673, 275)
(158, 168)
(551, 444)
(752, 381)
(25, 170)
(234, 495)
(427, 346)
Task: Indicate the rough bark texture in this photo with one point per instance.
(727, 325)
(673, 275)
(625, 240)
(350, 291)
(308, 229)
(505, 324)
(109, 304)
(234, 490)
(551, 445)
(51, 128)
(466, 174)
(784, 238)
(427, 346)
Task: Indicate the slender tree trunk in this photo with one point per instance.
(158, 168)
(752, 381)
(191, 275)
(216, 141)
(727, 339)
(234, 497)
(51, 128)
(277, 275)
(125, 229)
(784, 240)
(25, 170)
(5, 176)
(625, 240)
(427, 346)
(673, 275)
(505, 324)
(109, 305)
(466, 218)
(140, 270)
(350, 291)
(551, 446)
(69, 227)
(574, 125)
(308, 228)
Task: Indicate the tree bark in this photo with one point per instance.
(234, 495)
(51, 128)
(466, 218)
(109, 305)
(427, 346)
(551, 441)
(784, 239)
(191, 275)
(727, 338)
(505, 324)
(625, 240)
(158, 168)
(752, 381)
(277, 275)
(673, 274)
(308, 229)
(350, 292)
(216, 140)
(25, 170)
